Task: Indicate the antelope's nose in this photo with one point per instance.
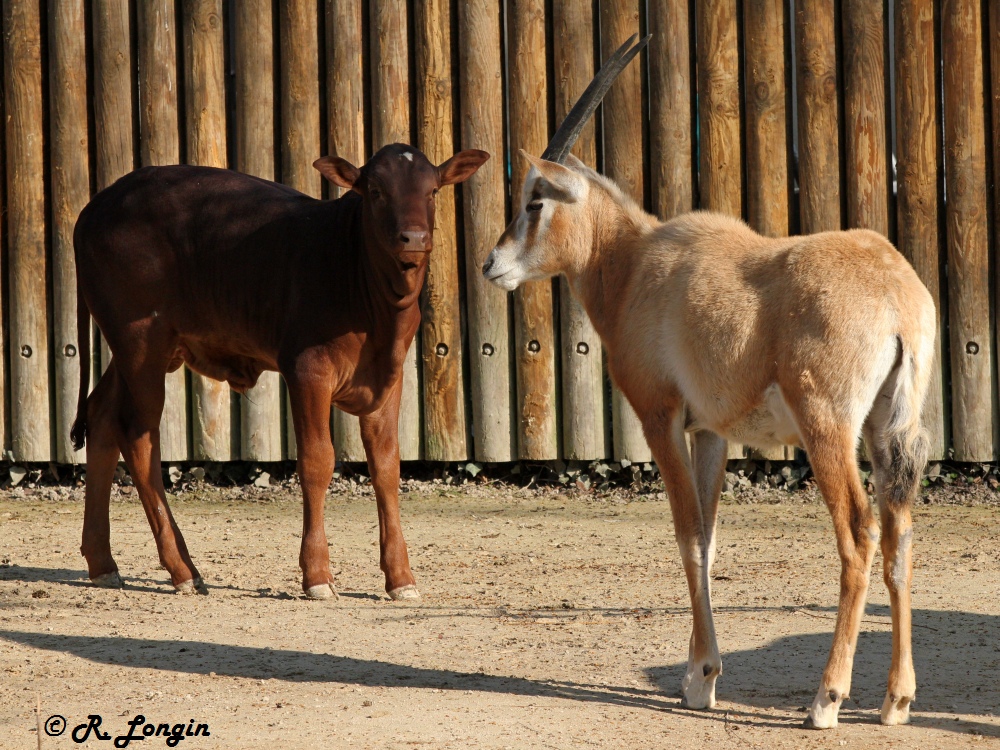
(490, 260)
(415, 238)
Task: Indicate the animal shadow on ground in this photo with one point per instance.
(956, 655)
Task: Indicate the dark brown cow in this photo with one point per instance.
(234, 275)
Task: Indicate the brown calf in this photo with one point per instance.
(234, 275)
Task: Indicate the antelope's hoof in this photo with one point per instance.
(193, 586)
(896, 710)
(108, 580)
(321, 591)
(404, 593)
(698, 687)
(824, 710)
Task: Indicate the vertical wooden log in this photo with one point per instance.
(444, 389)
(481, 88)
(819, 137)
(70, 184)
(864, 112)
(584, 429)
(4, 390)
(212, 437)
(720, 163)
(159, 145)
(968, 244)
(391, 124)
(260, 407)
(994, 51)
(767, 146)
(300, 92)
(534, 331)
(346, 118)
(29, 340)
(918, 174)
(670, 108)
(623, 163)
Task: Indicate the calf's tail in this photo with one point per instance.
(79, 431)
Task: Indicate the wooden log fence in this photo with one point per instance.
(799, 117)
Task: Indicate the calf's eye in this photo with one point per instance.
(535, 206)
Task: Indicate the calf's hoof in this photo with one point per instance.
(404, 592)
(698, 687)
(193, 586)
(896, 709)
(321, 591)
(824, 710)
(108, 580)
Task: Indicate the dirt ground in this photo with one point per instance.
(547, 620)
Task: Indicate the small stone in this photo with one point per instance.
(17, 473)
(264, 480)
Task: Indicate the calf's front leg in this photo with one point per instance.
(310, 399)
(380, 435)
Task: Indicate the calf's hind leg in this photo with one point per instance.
(141, 407)
(103, 436)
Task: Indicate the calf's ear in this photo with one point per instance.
(338, 171)
(461, 166)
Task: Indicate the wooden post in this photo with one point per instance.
(260, 407)
(29, 341)
(444, 389)
(159, 145)
(994, 48)
(819, 137)
(720, 164)
(70, 185)
(584, 427)
(391, 124)
(481, 88)
(205, 109)
(300, 92)
(767, 126)
(4, 391)
(534, 334)
(864, 112)
(670, 108)
(623, 163)
(918, 173)
(968, 244)
(346, 118)
(114, 105)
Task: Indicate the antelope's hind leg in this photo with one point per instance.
(103, 436)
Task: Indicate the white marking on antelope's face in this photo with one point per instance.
(532, 247)
(408, 155)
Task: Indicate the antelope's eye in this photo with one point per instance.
(434, 191)
(375, 194)
(535, 206)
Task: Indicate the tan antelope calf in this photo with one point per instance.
(712, 329)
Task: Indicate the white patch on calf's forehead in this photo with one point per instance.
(407, 155)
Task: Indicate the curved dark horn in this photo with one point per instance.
(564, 138)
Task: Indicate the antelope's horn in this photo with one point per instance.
(564, 138)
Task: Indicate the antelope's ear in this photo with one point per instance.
(461, 166)
(338, 171)
(566, 183)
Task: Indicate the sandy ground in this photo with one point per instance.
(547, 620)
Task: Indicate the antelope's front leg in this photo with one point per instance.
(665, 434)
(310, 399)
(380, 435)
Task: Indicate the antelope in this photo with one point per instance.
(235, 275)
(714, 330)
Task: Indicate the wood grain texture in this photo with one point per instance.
(534, 327)
(918, 170)
(585, 430)
(441, 331)
(28, 307)
(623, 163)
(253, 52)
(70, 187)
(4, 390)
(720, 162)
(819, 136)
(390, 96)
(483, 203)
(671, 101)
(865, 116)
(300, 126)
(994, 92)
(345, 61)
(159, 144)
(968, 265)
(212, 418)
